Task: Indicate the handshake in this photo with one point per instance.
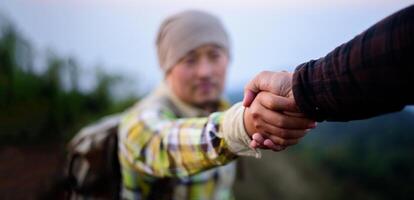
(271, 118)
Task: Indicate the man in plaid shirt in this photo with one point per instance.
(180, 142)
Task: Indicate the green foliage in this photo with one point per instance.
(39, 107)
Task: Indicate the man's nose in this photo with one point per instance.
(205, 69)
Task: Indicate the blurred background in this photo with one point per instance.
(65, 64)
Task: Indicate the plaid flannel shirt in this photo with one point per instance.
(162, 154)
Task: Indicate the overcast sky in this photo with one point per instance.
(120, 34)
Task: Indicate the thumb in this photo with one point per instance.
(250, 91)
(254, 87)
(248, 97)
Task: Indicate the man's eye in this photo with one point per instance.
(191, 61)
(214, 56)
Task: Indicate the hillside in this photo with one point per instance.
(367, 159)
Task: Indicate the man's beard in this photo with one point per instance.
(209, 105)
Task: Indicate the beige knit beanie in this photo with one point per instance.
(186, 31)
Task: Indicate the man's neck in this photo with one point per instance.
(209, 107)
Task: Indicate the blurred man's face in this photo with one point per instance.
(198, 78)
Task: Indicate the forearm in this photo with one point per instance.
(369, 75)
(180, 147)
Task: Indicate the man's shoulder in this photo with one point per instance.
(151, 106)
(149, 112)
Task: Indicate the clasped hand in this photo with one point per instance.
(271, 117)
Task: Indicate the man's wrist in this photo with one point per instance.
(234, 133)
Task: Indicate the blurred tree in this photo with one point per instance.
(7, 63)
(73, 71)
(39, 107)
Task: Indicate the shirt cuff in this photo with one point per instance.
(234, 133)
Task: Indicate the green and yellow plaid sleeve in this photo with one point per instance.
(158, 144)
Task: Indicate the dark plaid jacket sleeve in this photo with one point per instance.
(370, 75)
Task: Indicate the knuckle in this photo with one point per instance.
(281, 122)
(260, 97)
(255, 111)
(263, 73)
(275, 101)
(255, 115)
(293, 142)
(272, 103)
(283, 142)
(257, 126)
(283, 133)
(302, 133)
(247, 87)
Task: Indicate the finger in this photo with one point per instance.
(258, 137)
(250, 91)
(281, 142)
(277, 103)
(253, 144)
(248, 98)
(294, 114)
(269, 144)
(256, 145)
(280, 132)
(259, 83)
(264, 143)
(283, 121)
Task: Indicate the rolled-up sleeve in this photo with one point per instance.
(154, 142)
